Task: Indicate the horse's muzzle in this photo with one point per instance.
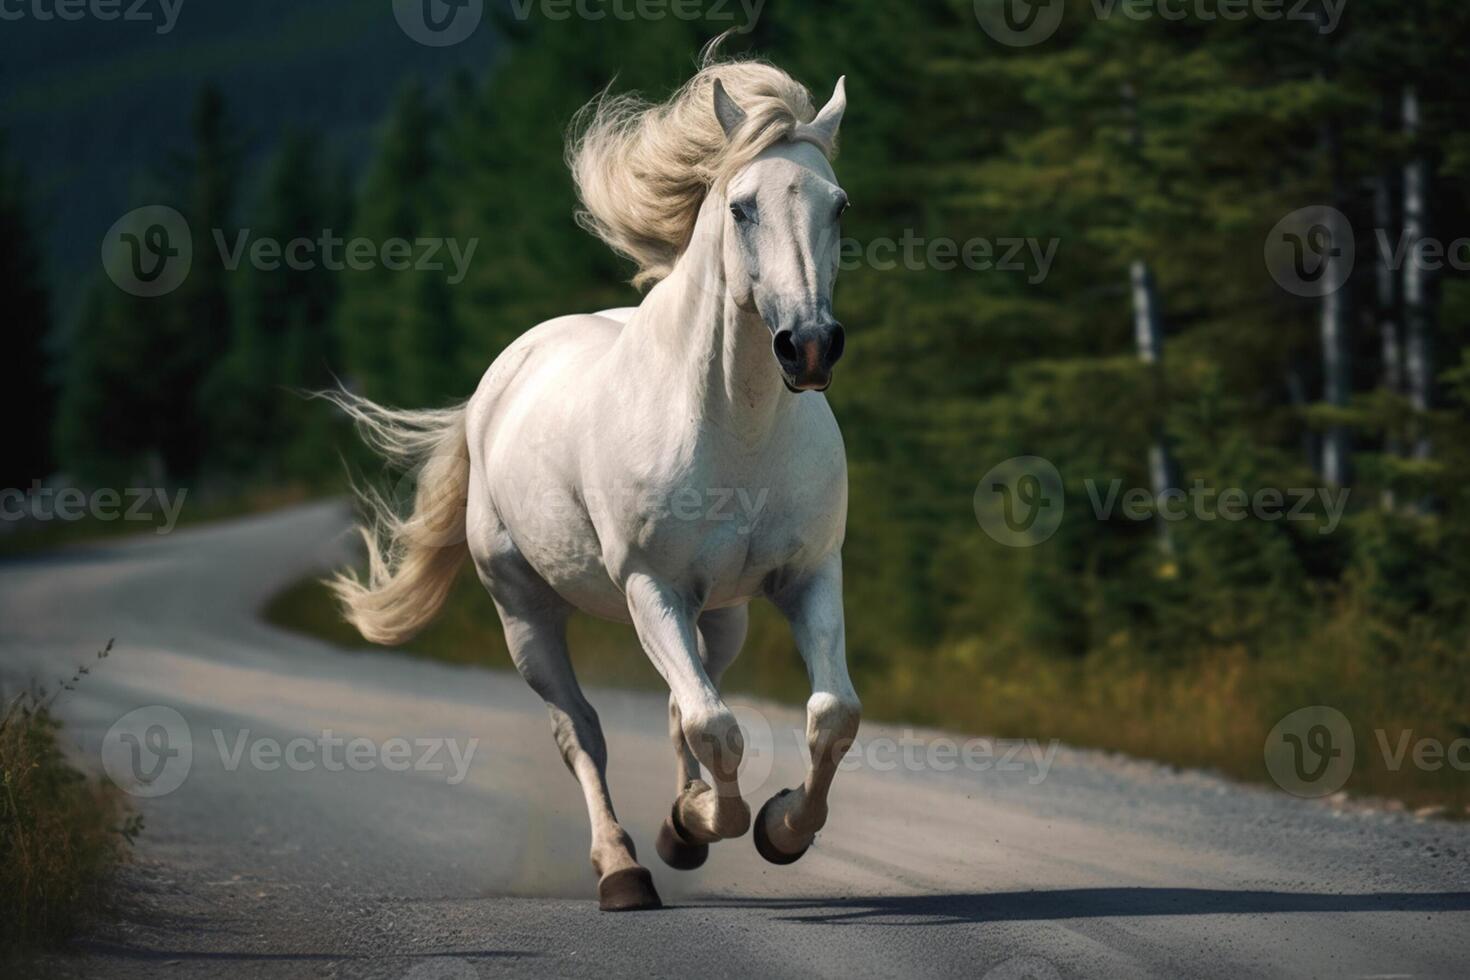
(808, 354)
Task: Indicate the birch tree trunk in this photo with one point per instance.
(1148, 333)
(1419, 286)
(1388, 312)
(1336, 326)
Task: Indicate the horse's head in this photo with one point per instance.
(782, 235)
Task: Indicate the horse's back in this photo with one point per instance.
(565, 344)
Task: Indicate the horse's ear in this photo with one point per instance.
(730, 115)
(829, 120)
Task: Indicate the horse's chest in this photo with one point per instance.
(724, 537)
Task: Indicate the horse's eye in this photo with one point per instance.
(739, 213)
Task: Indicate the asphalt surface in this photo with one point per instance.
(380, 856)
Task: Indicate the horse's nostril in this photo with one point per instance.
(785, 346)
(836, 345)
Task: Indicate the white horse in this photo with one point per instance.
(585, 471)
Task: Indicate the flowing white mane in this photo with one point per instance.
(642, 170)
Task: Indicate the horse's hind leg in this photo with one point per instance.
(535, 620)
(721, 635)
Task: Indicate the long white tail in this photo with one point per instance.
(412, 560)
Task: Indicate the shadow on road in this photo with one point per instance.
(1093, 903)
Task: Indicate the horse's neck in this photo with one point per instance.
(712, 359)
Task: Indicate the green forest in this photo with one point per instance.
(1140, 340)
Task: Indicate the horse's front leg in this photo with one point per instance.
(786, 825)
(665, 623)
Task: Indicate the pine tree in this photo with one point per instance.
(399, 199)
(132, 396)
(282, 338)
(29, 390)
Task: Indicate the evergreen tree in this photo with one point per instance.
(137, 366)
(375, 324)
(282, 339)
(28, 387)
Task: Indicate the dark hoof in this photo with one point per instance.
(676, 851)
(628, 890)
(763, 843)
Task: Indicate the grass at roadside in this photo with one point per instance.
(1212, 712)
(62, 833)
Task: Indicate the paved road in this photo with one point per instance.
(255, 868)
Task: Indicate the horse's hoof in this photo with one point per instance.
(628, 890)
(763, 842)
(677, 852)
